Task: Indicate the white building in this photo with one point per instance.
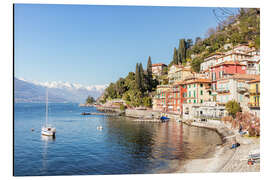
(210, 61)
(234, 88)
(207, 110)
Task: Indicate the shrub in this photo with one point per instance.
(147, 101)
(122, 107)
(233, 107)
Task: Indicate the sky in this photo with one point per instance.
(93, 45)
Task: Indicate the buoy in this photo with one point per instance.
(32, 129)
(99, 127)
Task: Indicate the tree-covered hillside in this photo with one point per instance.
(135, 88)
(241, 28)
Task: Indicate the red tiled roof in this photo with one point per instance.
(216, 53)
(198, 81)
(230, 63)
(158, 64)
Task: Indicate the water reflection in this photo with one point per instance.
(46, 140)
(161, 143)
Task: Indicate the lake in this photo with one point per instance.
(123, 146)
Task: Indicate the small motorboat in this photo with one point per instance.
(164, 119)
(85, 113)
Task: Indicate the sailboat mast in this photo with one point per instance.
(46, 106)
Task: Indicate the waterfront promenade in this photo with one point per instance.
(225, 159)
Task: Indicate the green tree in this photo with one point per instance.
(90, 100)
(149, 75)
(233, 107)
(196, 64)
(198, 40)
(122, 107)
(182, 51)
(120, 87)
(189, 43)
(138, 77)
(142, 78)
(175, 56)
(147, 101)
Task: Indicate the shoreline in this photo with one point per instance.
(223, 159)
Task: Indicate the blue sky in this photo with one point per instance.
(98, 44)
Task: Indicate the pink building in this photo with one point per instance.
(223, 70)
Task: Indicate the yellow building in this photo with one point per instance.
(254, 94)
(178, 73)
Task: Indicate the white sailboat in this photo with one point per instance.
(47, 129)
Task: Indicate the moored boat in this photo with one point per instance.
(47, 129)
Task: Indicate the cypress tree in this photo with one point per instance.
(149, 74)
(138, 77)
(175, 56)
(142, 80)
(182, 51)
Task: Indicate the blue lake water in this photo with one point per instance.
(123, 146)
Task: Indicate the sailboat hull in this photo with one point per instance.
(48, 131)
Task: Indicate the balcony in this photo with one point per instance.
(254, 105)
(222, 90)
(254, 92)
(242, 89)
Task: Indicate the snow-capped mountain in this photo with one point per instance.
(62, 91)
(71, 86)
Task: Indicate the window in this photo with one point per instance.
(194, 93)
(189, 86)
(201, 101)
(210, 92)
(189, 93)
(194, 85)
(201, 85)
(194, 100)
(201, 92)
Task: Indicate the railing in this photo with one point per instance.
(209, 117)
(254, 105)
(242, 89)
(222, 90)
(254, 91)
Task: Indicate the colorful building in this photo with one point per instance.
(224, 70)
(159, 100)
(234, 88)
(254, 96)
(174, 73)
(210, 61)
(179, 94)
(198, 91)
(158, 69)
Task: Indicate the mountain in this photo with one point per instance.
(27, 91)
